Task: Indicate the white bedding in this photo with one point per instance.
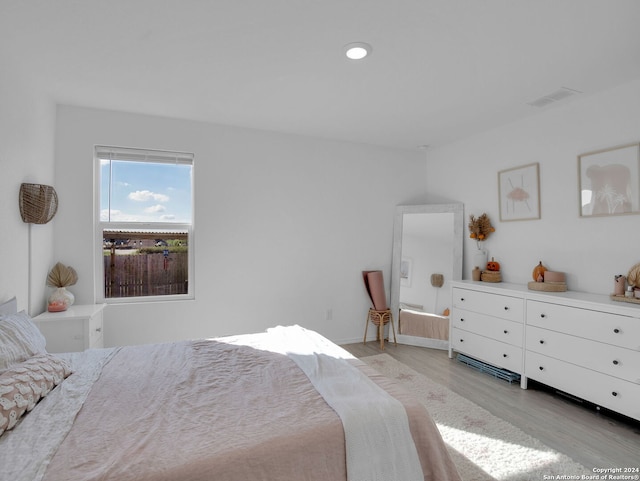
(379, 443)
(26, 450)
(373, 421)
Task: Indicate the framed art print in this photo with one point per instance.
(519, 193)
(609, 181)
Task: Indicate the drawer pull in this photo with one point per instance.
(506, 308)
(506, 332)
(616, 362)
(543, 315)
(461, 319)
(614, 394)
(541, 341)
(541, 368)
(461, 340)
(462, 299)
(504, 355)
(98, 329)
(616, 330)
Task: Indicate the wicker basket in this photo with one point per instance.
(491, 276)
(38, 203)
(376, 316)
(547, 286)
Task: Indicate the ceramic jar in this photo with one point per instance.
(60, 300)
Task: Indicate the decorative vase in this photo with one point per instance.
(476, 273)
(619, 284)
(480, 258)
(60, 300)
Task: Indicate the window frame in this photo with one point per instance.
(140, 155)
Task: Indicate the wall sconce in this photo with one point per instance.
(38, 203)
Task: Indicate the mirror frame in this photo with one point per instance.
(457, 209)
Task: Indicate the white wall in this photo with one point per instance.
(284, 224)
(27, 128)
(590, 250)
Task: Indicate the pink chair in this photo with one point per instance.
(379, 314)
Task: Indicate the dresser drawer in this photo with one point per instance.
(599, 326)
(500, 329)
(489, 350)
(64, 335)
(600, 389)
(607, 359)
(96, 339)
(504, 307)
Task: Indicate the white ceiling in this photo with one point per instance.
(440, 69)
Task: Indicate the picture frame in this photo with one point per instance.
(609, 181)
(519, 193)
(406, 268)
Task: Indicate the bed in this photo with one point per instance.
(286, 404)
(421, 328)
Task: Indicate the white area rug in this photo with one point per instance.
(483, 446)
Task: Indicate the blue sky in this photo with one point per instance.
(145, 192)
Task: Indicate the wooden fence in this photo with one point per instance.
(137, 275)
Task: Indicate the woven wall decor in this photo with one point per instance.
(437, 280)
(38, 203)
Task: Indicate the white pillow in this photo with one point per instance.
(9, 307)
(20, 339)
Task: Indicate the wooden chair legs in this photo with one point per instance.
(379, 319)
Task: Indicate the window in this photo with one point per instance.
(144, 224)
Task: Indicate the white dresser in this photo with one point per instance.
(583, 344)
(76, 329)
(488, 326)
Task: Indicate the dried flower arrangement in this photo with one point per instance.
(480, 227)
(62, 276)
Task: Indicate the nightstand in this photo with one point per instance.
(76, 329)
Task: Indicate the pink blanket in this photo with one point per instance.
(205, 410)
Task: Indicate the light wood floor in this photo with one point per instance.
(590, 437)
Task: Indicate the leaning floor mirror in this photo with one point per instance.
(427, 256)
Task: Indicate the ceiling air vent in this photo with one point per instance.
(560, 94)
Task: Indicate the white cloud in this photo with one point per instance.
(168, 217)
(154, 209)
(104, 215)
(117, 216)
(146, 195)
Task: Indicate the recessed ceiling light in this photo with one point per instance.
(357, 50)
